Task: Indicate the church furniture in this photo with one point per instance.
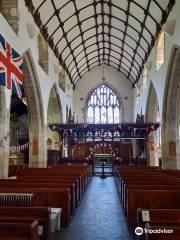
(60, 187)
(15, 169)
(158, 217)
(146, 187)
(161, 197)
(28, 214)
(53, 185)
(46, 197)
(16, 183)
(143, 182)
(19, 231)
(70, 181)
(67, 170)
(55, 219)
(53, 156)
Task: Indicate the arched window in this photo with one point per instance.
(104, 106)
(144, 79)
(160, 50)
(43, 53)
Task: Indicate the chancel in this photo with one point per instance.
(89, 120)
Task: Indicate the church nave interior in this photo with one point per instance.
(89, 120)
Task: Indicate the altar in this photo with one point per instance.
(99, 157)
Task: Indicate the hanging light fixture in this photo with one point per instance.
(103, 77)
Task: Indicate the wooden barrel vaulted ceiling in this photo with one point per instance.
(87, 33)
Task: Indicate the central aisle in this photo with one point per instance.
(100, 215)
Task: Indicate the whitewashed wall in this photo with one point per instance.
(25, 43)
(22, 43)
(91, 79)
(159, 77)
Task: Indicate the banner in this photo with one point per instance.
(18, 149)
(11, 67)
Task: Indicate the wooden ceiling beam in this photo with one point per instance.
(135, 68)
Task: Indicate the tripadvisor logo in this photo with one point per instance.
(139, 231)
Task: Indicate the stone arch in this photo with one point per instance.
(9, 10)
(110, 86)
(54, 114)
(152, 107)
(4, 134)
(37, 129)
(171, 113)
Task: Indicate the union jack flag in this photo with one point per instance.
(11, 67)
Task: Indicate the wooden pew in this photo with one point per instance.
(19, 231)
(159, 217)
(72, 181)
(47, 197)
(53, 172)
(139, 181)
(83, 179)
(138, 198)
(143, 186)
(63, 178)
(28, 214)
(60, 172)
(61, 186)
(146, 188)
(14, 184)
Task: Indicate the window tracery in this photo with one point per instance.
(104, 106)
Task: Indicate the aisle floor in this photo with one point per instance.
(100, 215)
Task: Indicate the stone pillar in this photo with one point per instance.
(4, 136)
(38, 143)
(9, 9)
(152, 159)
(172, 159)
(37, 128)
(170, 151)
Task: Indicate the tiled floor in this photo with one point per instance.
(100, 216)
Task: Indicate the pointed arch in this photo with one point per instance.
(171, 113)
(109, 107)
(54, 113)
(37, 129)
(153, 115)
(152, 103)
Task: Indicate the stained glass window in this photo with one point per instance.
(103, 106)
